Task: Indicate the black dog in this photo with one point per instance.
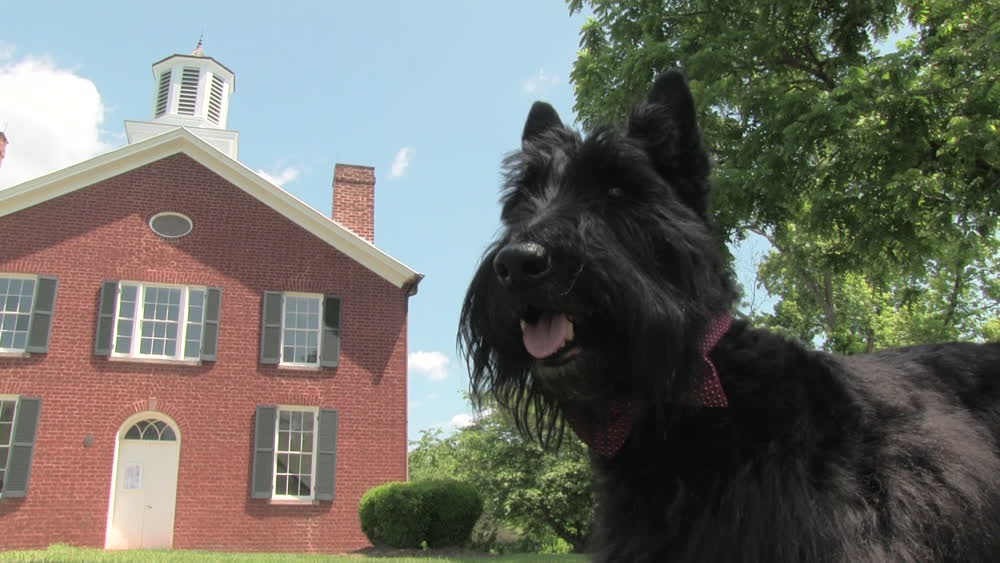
(605, 304)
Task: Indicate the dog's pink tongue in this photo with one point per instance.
(546, 336)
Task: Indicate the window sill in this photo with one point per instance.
(160, 361)
(293, 502)
(299, 368)
(14, 354)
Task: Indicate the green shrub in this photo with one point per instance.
(454, 509)
(440, 512)
(392, 514)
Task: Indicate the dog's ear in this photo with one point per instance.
(667, 125)
(541, 118)
(671, 91)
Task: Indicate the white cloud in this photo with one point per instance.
(462, 420)
(401, 162)
(53, 117)
(281, 177)
(457, 422)
(432, 365)
(539, 83)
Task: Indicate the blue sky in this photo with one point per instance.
(440, 89)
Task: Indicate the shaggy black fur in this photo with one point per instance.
(886, 457)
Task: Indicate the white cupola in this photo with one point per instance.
(191, 91)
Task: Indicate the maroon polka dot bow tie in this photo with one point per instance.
(607, 439)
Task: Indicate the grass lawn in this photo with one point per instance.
(63, 553)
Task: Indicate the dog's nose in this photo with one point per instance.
(522, 263)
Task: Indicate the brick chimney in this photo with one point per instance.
(354, 199)
(3, 146)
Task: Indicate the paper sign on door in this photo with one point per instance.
(133, 476)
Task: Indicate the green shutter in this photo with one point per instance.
(330, 347)
(270, 328)
(262, 477)
(210, 326)
(326, 455)
(106, 318)
(41, 315)
(15, 483)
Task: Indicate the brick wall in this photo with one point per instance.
(354, 198)
(101, 233)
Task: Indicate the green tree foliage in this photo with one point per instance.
(874, 173)
(542, 494)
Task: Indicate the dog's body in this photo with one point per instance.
(605, 304)
(880, 458)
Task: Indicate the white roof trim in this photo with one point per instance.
(180, 140)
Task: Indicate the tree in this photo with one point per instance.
(874, 175)
(541, 493)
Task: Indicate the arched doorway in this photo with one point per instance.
(144, 483)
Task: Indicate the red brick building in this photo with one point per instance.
(191, 357)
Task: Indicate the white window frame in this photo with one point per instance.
(34, 299)
(10, 441)
(314, 412)
(319, 330)
(136, 336)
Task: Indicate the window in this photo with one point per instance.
(300, 329)
(16, 297)
(144, 320)
(151, 430)
(170, 224)
(295, 453)
(159, 322)
(18, 423)
(8, 406)
(293, 460)
(26, 305)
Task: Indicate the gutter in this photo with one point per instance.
(411, 285)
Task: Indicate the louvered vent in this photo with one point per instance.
(189, 91)
(215, 100)
(161, 94)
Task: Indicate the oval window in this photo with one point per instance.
(170, 225)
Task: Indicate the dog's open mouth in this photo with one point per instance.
(549, 337)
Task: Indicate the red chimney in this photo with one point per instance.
(3, 146)
(354, 199)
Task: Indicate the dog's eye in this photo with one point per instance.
(615, 192)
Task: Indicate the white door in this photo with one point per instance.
(145, 488)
